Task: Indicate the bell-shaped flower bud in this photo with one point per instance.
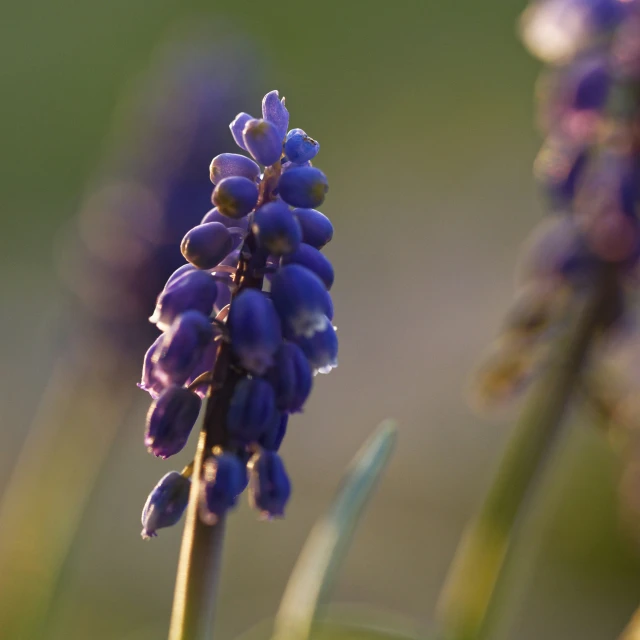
(263, 141)
(206, 245)
(192, 291)
(299, 147)
(291, 377)
(274, 111)
(269, 485)
(170, 420)
(166, 504)
(312, 259)
(235, 196)
(317, 229)
(303, 187)
(255, 330)
(182, 347)
(273, 437)
(276, 228)
(251, 410)
(224, 479)
(226, 165)
(237, 127)
(301, 300)
(153, 381)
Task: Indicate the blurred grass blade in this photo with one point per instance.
(632, 631)
(41, 509)
(314, 573)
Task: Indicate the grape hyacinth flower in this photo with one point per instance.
(245, 324)
(576, 277)
(253, 349)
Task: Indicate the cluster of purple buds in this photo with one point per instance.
(589, 170)
(247, 322)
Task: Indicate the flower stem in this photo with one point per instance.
(470, 588)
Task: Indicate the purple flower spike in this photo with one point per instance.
(317, 229)
(252, 410)
(321, 349)
(313, 260)
(276, 432)
(274, 111)
(226, 165)
(225, 478)
(276, 228)
(151, 381)
(269, 485)
(182, 347)
(235, 196)
(303, 187)
(301, 300)
(166, 504)
(299, 147)
(170, 420)
(263, 141)
(206, 245)
(193, 291)
(215, 216)
(255, 330)
(237, 127)
(291, 378)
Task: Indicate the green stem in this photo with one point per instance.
(468, 595)
(192, 617)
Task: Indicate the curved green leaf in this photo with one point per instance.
(314, 572)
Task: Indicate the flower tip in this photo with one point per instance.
(147, 535)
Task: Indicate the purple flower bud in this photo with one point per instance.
(233, 164)
(151, 382)
(317, 229)
(299, 147)
(180, 271)
(215, 216)
(269, 485)
(225, 478)
(237, 127)
(303, 187)
(263, 141)
(291, 378)
(235, 196)
(182, 347)
(273, 437)
(274, 111)
(206, 245)
(166, 504)
(255, 330)
(321, 349)
(276, 228)
(170, 420)
(301, 300)
(193, 291)
(251, 411)
(312, 259)
(205, 364)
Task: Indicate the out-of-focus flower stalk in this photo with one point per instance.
(466, 601)
(151, 186)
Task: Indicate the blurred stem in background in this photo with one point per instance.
(467, 603)
(152, 186)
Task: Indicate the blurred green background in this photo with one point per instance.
(424, 111)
